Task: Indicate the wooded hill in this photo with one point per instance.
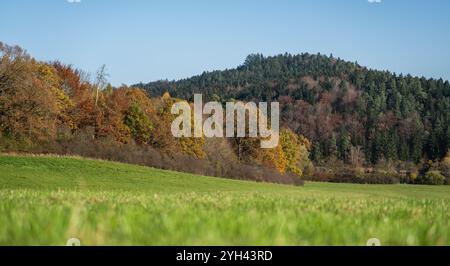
(348, 112)
(345, 118)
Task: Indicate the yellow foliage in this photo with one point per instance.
(280, 158)
(48, 75)
(296, 151)
(193, 147)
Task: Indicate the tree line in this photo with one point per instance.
(51, 107)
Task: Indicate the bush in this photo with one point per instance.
(433, 177)
(353, 175)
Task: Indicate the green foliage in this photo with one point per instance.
(332, 147)
(139, 124)
(344, 146)
(316, 152)
(433, 177)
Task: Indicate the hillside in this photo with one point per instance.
(47, 200)
(350, 113)
(53, 108)
(340, 122)
(75, 173)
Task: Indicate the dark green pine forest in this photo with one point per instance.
(350, 113)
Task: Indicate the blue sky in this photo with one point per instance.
(144, 40)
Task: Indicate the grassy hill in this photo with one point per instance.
(47, 200)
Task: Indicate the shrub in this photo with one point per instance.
(409, 178)
(433, 177)
(353, 175)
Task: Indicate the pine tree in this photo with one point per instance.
(316, 153)
(390, 151)
(332, 147)
(435, 142)
(344, 146)
(447, 146)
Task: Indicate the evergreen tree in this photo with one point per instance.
(332, 147)
(316, 153)
(344, 146)
(390, 151)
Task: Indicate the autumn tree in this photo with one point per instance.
(162, 137)
(139, 124)
(109, 116)
(79, 114)
(296, 151)
(29, 100)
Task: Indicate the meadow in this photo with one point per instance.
(46, 200)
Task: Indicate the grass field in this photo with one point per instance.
(47, 200)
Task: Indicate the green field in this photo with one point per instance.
(47, 200)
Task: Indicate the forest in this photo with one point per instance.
(341, 122)
(353, 116)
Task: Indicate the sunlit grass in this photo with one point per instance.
(47, 200)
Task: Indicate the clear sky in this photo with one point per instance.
(145, 40)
